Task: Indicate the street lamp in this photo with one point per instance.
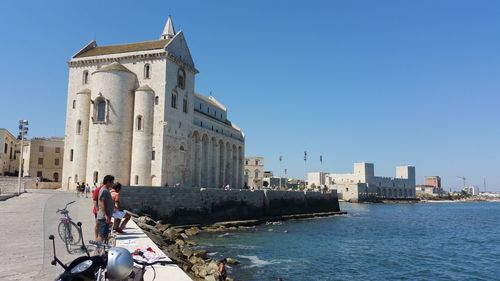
(281, 158)
(23, 131)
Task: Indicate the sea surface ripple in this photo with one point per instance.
(447, 241)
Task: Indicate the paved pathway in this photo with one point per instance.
(26, 222)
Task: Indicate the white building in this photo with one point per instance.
(471, 190)
(254, 171)
(363, 185)
(316, 179)
(132, 112)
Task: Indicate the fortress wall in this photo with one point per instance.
(182, 205)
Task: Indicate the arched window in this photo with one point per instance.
(174, 100)
(147, 71)
(96, 176)
(71, 155)
(185, 105)
(101, 110)
(181, 148)
(181, 78)
(136, 179)
(56, 177)
(74, 104)
(256, 174)
(78, 127)
(157, 100)
(85, 79)
(139, 123)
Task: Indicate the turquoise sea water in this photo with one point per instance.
(433, 241)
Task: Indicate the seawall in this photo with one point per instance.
(181, 205)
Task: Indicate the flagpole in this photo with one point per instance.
(280, 170)
(305, 169)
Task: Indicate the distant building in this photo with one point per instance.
(316, 179)
(9, 149)
(254, 171)
(431, 187)
(295, 183)
(363, 185)
(428, 190)
(268, 174)
(434, 181)
(43, 158)
(275, 182)
(471, 190)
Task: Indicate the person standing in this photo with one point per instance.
(105, 211)
(87, 190)
(95, 199)
(82, 189)
(78, 189)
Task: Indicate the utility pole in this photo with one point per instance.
(305, 169)
(281, 158)
(23, 131)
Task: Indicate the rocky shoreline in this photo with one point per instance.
(176, 244)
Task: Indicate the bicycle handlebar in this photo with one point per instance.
(64, 209)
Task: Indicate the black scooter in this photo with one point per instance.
(82, 268)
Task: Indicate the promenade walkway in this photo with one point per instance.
(26, 221)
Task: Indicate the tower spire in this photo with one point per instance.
(168, 31)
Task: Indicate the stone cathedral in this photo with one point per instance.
(132, 112)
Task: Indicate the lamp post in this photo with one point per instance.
(305, 169)
(23, 131)
(281, 158)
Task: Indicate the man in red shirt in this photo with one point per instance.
(95, 196)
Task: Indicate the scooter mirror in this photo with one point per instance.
(51, 237)
(79, 223)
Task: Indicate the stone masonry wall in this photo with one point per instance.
(182, 205)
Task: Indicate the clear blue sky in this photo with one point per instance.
(389, 82)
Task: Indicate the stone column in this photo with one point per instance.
(222, 164)
(81, 134)
(142, 137)
(228, 164)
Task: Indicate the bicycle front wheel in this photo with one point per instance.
(74, 234)
(69, 232)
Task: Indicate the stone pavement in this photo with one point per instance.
(26, 221)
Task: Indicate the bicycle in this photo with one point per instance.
(67, 229)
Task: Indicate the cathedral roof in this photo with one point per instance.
(211, 100)
(144, 88)
(115, 66)
(122, 48)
